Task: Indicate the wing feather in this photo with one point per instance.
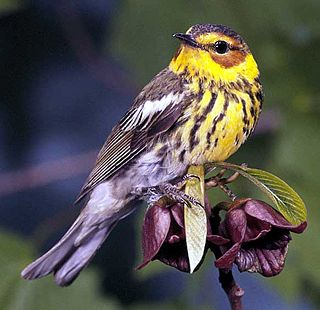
(145, 120)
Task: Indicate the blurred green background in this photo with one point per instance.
(70, 69)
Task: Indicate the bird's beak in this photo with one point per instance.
(187, 38)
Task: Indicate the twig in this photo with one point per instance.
(221, 182)
(233, 291)
(231, 288)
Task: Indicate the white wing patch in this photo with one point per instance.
(120, 149)
(144, 113)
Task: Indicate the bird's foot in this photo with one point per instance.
(180, 184)
(170, 192)
(175, 194)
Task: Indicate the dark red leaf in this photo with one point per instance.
(178, 214)
(227, 259)
(155, 229)
(259, 238)
(263, 212)
(235, 225)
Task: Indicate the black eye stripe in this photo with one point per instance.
(213, 46)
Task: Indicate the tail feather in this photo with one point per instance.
(77, 247)
(80, 258)
(71, 254)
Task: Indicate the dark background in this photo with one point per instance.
(70, 69)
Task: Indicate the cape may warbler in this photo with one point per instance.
(199, 109)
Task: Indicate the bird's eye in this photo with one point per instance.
(221, 47)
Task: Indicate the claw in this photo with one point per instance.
(169, 191)
(153, 194)
(188, 176)
(185, 178)
(194, 201)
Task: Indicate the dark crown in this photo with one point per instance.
(200, 29)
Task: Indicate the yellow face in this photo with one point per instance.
(214, 55)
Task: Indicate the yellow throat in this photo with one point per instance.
(227, 91)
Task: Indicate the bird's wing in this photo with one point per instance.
(147, 118)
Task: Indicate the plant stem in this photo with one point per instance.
(233, 291)
(231, 288)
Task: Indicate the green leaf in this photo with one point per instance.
(286, 200)
(195, 218)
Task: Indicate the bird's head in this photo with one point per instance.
(213, 52)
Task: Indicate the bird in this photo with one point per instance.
(199, 109)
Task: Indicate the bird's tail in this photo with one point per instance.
(75, 249)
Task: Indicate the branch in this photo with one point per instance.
(233, 291)
(231, 288)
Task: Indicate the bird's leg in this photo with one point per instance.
(173, 192)
(219, 181)
(176, 194)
